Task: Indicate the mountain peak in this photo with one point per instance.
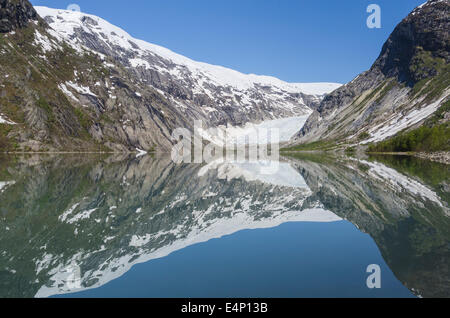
(424, 29)
(406, 85)
(15, 14)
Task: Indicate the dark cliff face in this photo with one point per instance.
(426, 29)
(15, 14)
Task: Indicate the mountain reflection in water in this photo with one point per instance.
(71, 223)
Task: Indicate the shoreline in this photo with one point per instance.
(72, 152)
(438, 156)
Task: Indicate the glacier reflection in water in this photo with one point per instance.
(80, 226)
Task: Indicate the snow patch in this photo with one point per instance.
(44, 42)
(67, 92)
(136, 62)
(5, 184)
(81, 216)
(4, 120)
(140, 152)
(398, 122)
(81, 89)
(69, 211)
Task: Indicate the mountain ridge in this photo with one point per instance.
(234, 77)
(211, 93)
(409, 77)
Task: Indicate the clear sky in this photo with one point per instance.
(294, 40)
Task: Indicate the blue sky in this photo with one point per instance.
(294, 40)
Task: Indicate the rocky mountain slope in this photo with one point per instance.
(406, 85)
(73, 82)
(15, 14)
(39, 70)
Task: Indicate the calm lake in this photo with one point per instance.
(121, 226)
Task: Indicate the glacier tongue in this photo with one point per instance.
(286, 127)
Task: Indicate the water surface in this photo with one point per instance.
(118, 226)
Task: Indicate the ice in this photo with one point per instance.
(286, 127)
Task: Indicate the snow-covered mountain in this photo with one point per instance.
(216, 94)
(70, 81)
